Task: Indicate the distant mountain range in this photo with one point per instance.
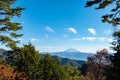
(68, 57)
(71, 53)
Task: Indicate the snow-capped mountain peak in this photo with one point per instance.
(71, 50)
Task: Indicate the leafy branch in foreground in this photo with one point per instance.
(113, 17)
(8, 28)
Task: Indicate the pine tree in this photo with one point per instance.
(29, 62)
(7, 27)
(26, 60)
(52, 70)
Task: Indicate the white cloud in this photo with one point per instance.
(49, 29)
(93, 39)
(110, 40)
(92, 31)
(36, 40)
(56, 39)
(85, 38)
(33, 40)
(89, 38)
(77, 39)
(65, 35)
(101, 38)
(73, 30)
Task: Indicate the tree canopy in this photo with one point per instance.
(9, 28)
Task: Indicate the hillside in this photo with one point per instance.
(63, 61)
(71, 62)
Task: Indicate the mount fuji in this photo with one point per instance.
(71, 50)
(71, 53)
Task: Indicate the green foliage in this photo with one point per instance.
(83, 69)
(113, 71)
(113, 17)
(2, 61)
(71, 62)
(52, 70)
(73, 73)
(29, 61)
(7, 27)
(35, 66)
(26, 59)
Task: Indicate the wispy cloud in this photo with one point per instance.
(36, 40)
(33, 40)
(93, 39)
(73, 30)
(92, 31)
(76, 39)
(89, 38)
(85, 38)
(101, 38)
(49, 29)
(65, 35)
(56, 39)
(110, 40)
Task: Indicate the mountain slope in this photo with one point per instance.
(71, 54)
(71, 62)
(63, 61)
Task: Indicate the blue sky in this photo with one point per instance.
(55, 25)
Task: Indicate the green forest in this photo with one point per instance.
(26, 63)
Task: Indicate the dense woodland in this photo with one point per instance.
(25, 63)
